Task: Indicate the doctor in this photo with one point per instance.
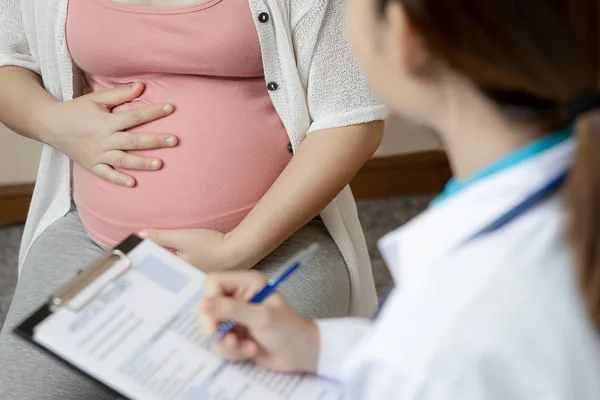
(498, 283)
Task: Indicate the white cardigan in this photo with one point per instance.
(304, 50)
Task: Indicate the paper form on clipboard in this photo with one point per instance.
(133, 328)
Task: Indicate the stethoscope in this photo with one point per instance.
(522, 207)
(530, 202)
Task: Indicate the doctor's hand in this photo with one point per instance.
(205, 249)
(271, 334)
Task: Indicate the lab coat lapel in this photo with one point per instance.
(411, 251)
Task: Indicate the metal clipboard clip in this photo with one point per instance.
(86, 277)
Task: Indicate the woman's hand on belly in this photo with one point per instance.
(92, 136)
(205, 249)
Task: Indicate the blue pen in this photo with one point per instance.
(286, 270)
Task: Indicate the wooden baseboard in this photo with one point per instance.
(407, 174)
(14, 203)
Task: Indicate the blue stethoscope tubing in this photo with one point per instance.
(527, 204)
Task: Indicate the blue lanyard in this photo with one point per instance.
(534, 199)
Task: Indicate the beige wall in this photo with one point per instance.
(19, 157)
(401, 137)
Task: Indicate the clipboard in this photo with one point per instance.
(82, 325)
(68, 291)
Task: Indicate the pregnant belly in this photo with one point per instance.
(232, 147)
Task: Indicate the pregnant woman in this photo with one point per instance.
(225, 130)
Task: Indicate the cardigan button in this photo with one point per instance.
(290, 148)
(272, 86)
(263, 17)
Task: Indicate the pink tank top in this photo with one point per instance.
(205, 59)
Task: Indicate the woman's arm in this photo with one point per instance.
(339, 141)
(23, 100)
(24, 103)
(323, 165)
(340, 138)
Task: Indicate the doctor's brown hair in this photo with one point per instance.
(536, 59)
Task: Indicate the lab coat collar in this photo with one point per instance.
(413, 249)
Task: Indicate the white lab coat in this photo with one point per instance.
(499, 318)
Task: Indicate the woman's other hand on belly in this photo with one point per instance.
(205, 249)
(92, 136)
